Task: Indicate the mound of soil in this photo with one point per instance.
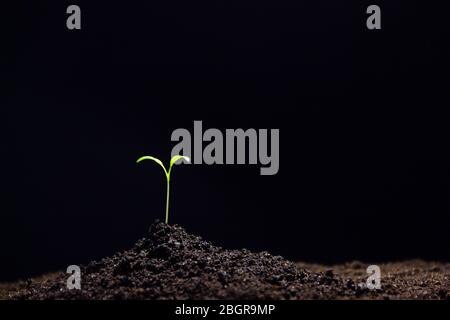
(169, 263)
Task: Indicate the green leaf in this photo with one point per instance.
(154, 159)
(177, 157)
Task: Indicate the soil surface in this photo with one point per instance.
(169, 263)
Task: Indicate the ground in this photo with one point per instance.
(170, 263)
(413, 279)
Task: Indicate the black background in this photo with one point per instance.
(362, 115)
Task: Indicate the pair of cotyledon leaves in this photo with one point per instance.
(172, 162)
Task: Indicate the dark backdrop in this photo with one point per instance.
(362, 116)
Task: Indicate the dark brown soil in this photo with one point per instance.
(172, 264)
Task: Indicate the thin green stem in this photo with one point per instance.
(167, 200)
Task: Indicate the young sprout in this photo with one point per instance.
(167, 173)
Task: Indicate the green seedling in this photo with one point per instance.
(167, 173)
